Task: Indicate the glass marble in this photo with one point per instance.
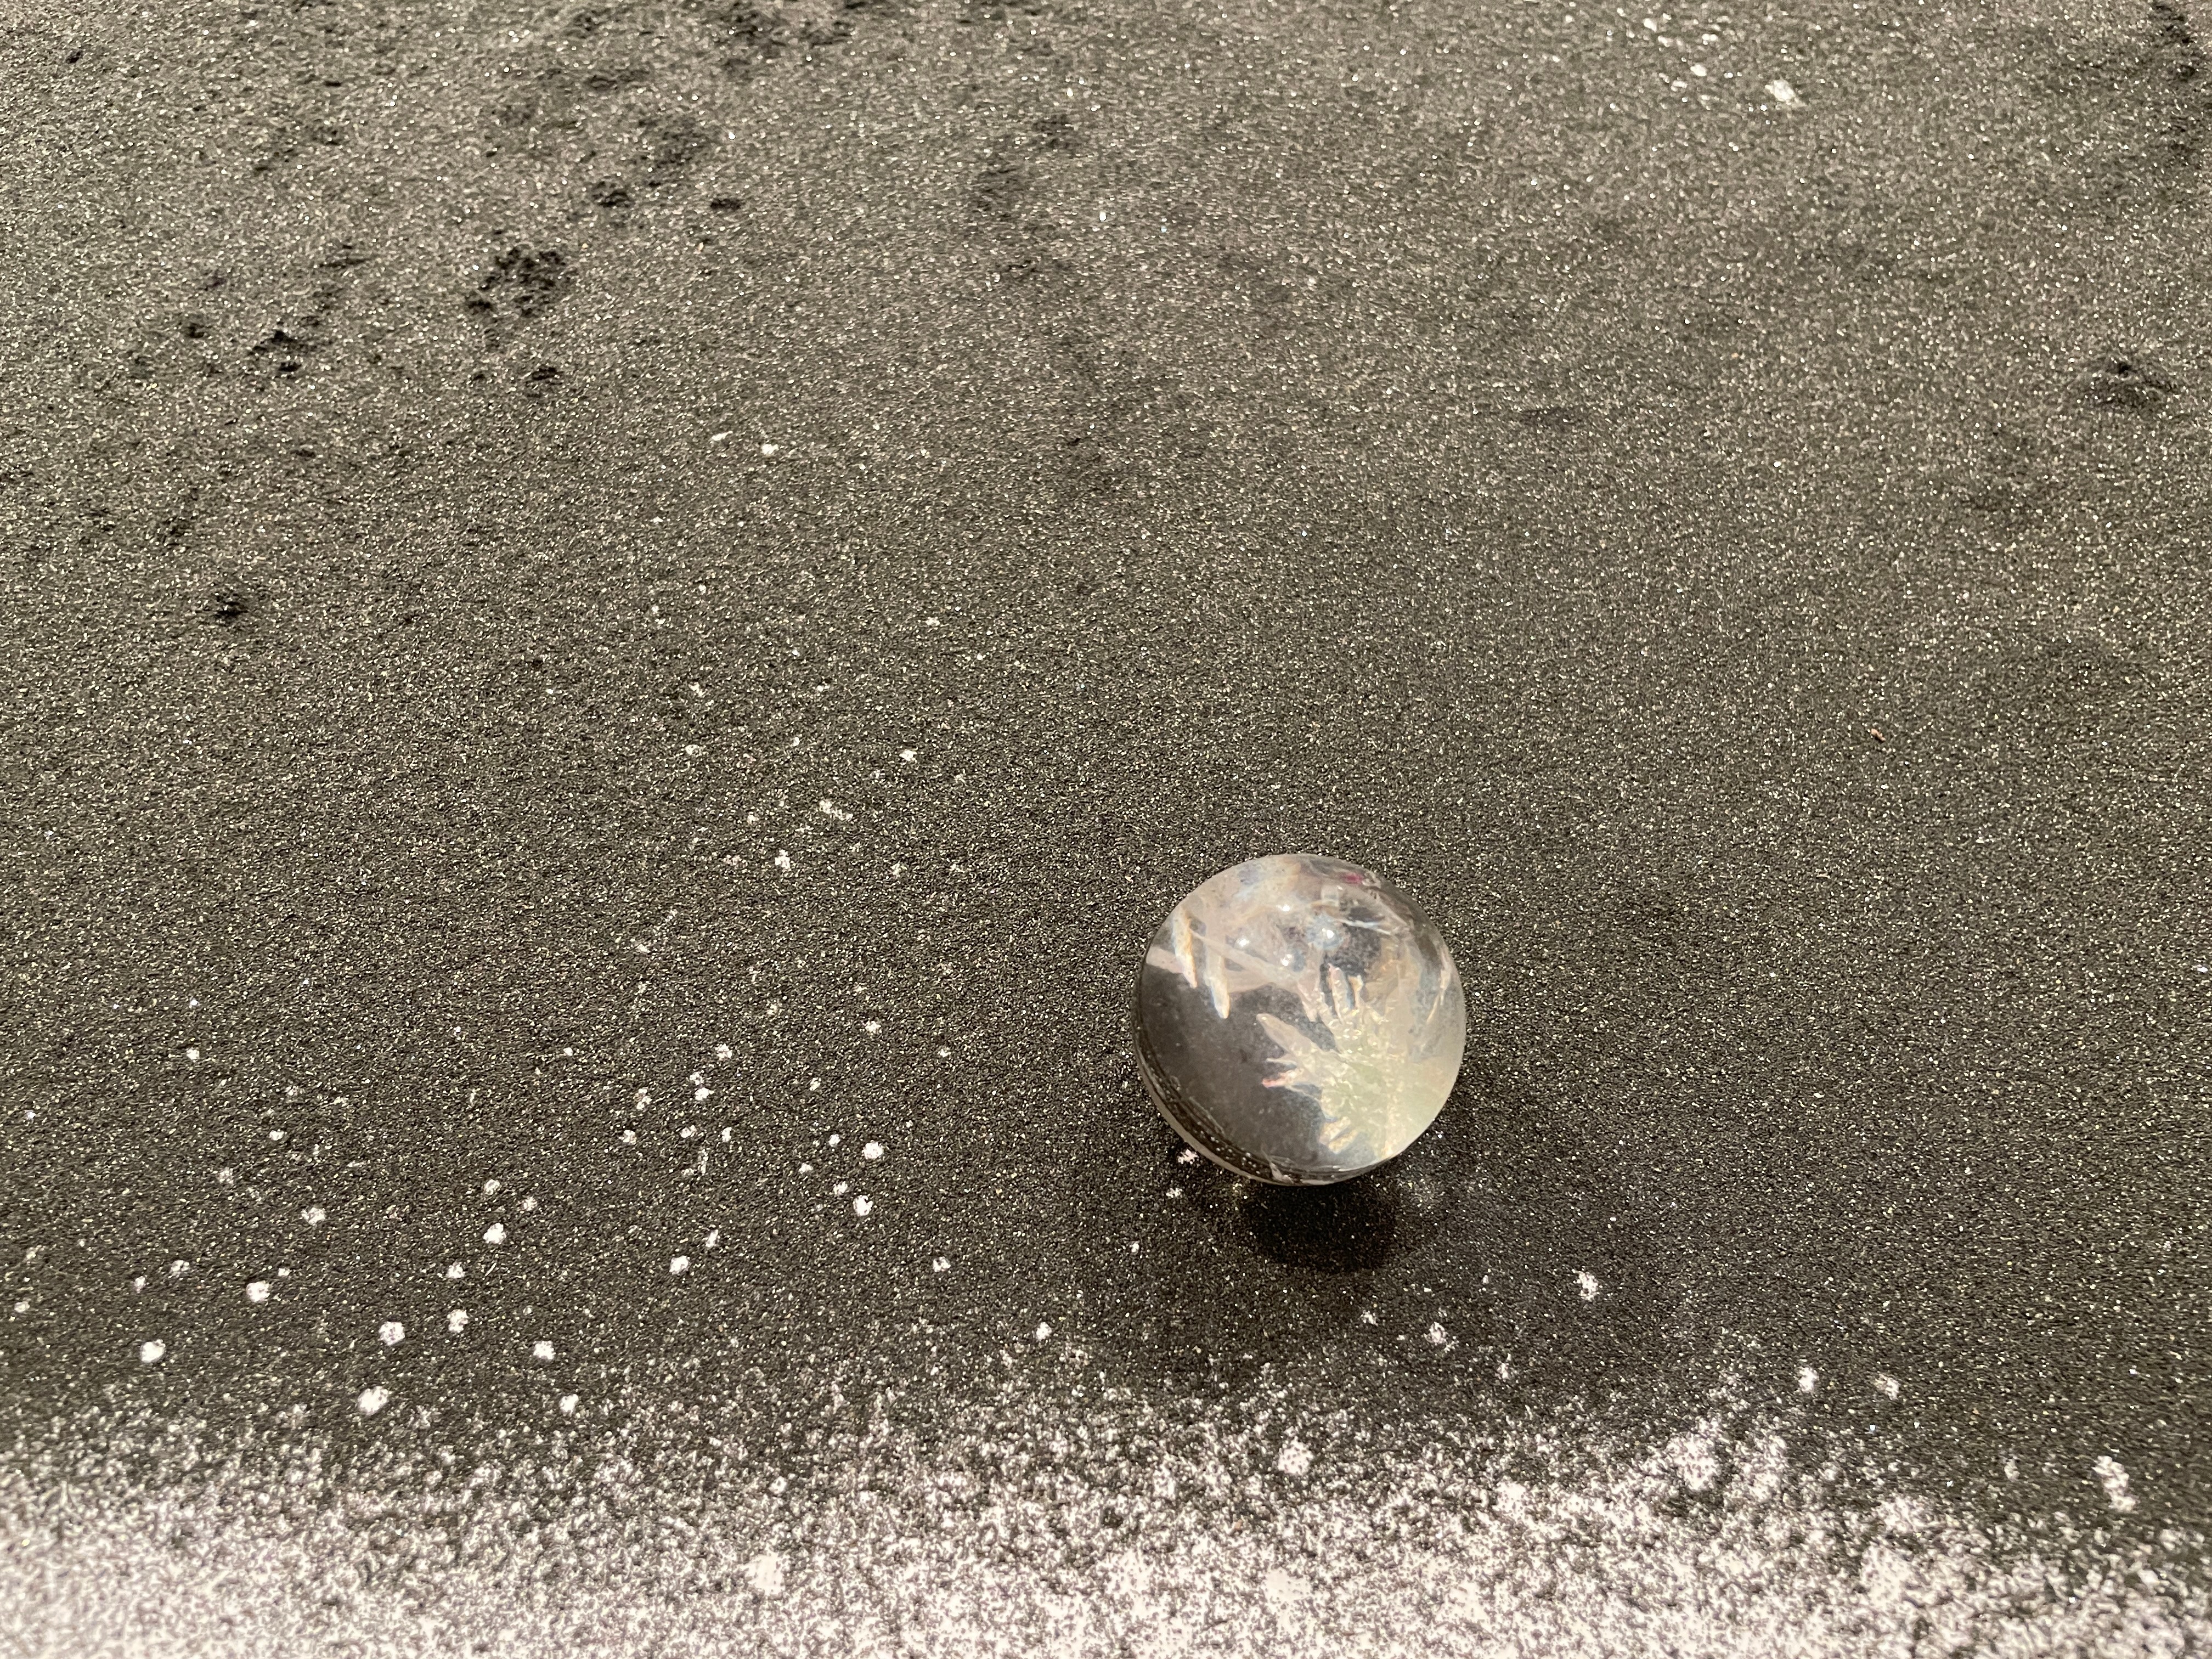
(1299, 1020)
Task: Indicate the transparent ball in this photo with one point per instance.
(1299, 1020)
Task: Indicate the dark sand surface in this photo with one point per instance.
(484, 490)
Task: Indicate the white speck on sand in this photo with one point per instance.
(680, 1264)
(863, 1204)
(568, 1404)
(541, 1351)
(392, 1332)
(1807, 1379)
(373, 1399)
(1886, 1384)
(454, 1270)
(457, 1321)
(714, 1239)
(1781, 92)
(873, 1150)
(1294, 1458)
(783, 860)
(764, 1572)
(314, 1215)
(1043, 1332)
(258, 1290)
(151, 1353)
(940, 1264)
(2114, 1480)
(1586, 1282)
(495, 1234)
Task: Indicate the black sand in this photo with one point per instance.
(470, 490)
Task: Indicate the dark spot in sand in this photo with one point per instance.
(676, 142)
(529, 279)
(1000, 186)
(229, 605)
(746, 35)
(1549, 417)
(1031, 266)
(2128, 380)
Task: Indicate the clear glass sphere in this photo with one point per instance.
(1299, 1020)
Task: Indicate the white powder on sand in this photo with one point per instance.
(1040, 1525)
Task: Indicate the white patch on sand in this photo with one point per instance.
(2114, 1480)
(258, 1290)
(1097, 1525)
(392, 1332)
(495, 1234)
(1586, 1282)
(764, 1572)
(541, 1351)
(151, 1353)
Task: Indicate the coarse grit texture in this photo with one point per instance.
(618, 621)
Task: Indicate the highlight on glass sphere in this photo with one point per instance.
(1298, 1019)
